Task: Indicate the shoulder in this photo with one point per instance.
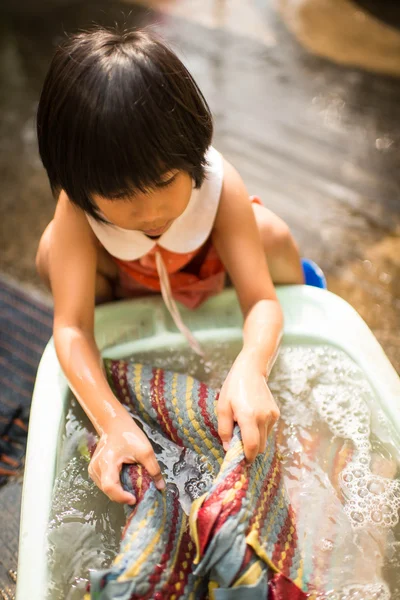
(68, 213)
(232, 183)
(234, 202)
(70, 222)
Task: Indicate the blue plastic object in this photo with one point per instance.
(313, 275)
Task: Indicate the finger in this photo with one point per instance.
(111, 486)
(263, 429)
(251, 439)
(117, 494)
(269, 428)
(153, 468)
(274, 417)
(225, 425)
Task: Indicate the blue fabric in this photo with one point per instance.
(313, 275)
(258, 591)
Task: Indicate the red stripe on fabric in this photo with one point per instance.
(169, 588)
(281, 541)
(24, 341)
(208, 517)
(12, 368)
(118, 371)
(23, 357)
(153, 396)
(158, 402)
(265, 499)
(16, 389)
(203, 394)
(7, 473)
(290, 552)
(27, 310)
(268, 500)
(11, 318)
(231, 508)
(137, 473)
(282, 588)
(173, 432)
(154, 578)
(9, 289)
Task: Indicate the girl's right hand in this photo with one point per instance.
(123, 442)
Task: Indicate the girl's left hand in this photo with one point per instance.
(246, 399)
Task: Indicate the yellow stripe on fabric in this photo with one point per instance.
(251, 576)
(231, 494)
(196, 504)
(178, 542)
(271, 483)
(231, 456)
(137, 378)
(253, 541)
(127, 546)
(252, 538)
(189, 387)
(212, 586)
(278, 507)
(135, 568)
(140, 481)
(174, 400)
(300, 572)
(257, 474)
(286, 548)
(192, 416)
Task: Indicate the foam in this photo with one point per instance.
(322, 383)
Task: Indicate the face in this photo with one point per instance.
(152, 212)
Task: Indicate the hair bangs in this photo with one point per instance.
(130, 113)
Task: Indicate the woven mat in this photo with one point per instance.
(25, 328)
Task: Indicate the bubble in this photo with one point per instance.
(386, 510)
(363, 492)
(376, 487)
(326, 545)
(357, 516)
(388, 520)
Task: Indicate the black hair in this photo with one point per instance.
(117, 111)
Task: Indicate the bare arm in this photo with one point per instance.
(245, 397)
(72, 270)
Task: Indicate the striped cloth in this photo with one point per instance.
(25, 328)
(240, 538)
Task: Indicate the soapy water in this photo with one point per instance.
(339, 462)
(190, 473)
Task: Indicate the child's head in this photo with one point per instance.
(121, 118)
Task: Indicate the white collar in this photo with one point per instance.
(186, 234)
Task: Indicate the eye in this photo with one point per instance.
(167, 182)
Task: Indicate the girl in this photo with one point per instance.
(146, 204)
